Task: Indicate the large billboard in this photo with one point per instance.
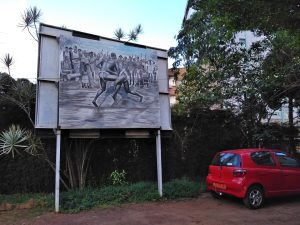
(107, 85)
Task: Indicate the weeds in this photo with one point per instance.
(75, 201)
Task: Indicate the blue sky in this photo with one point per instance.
(161, 20)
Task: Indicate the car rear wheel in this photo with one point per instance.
(216, 194)
(254, 198)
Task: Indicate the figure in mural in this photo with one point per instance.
(113, 69)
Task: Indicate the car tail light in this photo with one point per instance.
(239, 173)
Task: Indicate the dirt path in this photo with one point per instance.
(204, 210)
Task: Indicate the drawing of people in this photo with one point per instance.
(66, 65)
(86, 69)
(114, 70)
(76, 59)
(108, 72)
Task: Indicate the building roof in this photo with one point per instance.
(178, 72)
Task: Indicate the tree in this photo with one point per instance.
(8, 61)
(221, 73)
(131, 35)
(261, 15)
(279, 22)
(20, 92)
(119, 34)
(281, 71)
(30, 20)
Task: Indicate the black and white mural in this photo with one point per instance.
(106, 84)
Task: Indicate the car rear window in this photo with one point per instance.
(262, 158)
(227, 159)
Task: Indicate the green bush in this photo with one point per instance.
(75, 201)
(181, 189)
(143, 191)
(43, 200)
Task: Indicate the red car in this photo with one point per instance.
(253, 175)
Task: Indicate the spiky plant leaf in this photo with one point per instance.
(12, 140)
(34, 144)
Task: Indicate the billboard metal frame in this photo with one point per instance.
(47, 105)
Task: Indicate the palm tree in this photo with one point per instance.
(8, 61)
(119, 34)
(132, 35)
(30, 19)
(138, 29)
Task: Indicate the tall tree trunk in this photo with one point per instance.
(292, 144)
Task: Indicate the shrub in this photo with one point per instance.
(181, 189)
(75, 201)
(43, 200)
(118, 178)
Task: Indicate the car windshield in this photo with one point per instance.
(227, 159)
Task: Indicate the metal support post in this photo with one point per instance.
(57, 169)
(158, 163)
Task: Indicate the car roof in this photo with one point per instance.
(249, 150)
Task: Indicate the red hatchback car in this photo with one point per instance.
(253, 175)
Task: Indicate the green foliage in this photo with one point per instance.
(119, 34)
(222, 74)
(20, 93)
(197, 135)
(17, 140)
(263, 15)
(75, 201)
(41, 200)
(118, 178)
(281, 70)
(12, 141)
(31, 18)
(24, 174)
(181, 189)
(132, 35)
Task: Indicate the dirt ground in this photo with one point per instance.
(204, 210)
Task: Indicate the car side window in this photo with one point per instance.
(262, 158)
(286, 160)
